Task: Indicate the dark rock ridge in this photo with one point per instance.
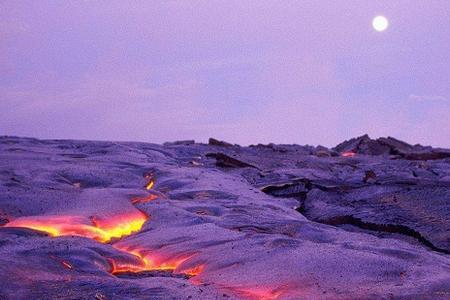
(381, 146)
(390, 146)
(225, 161)
(368, 219)
(214, 142)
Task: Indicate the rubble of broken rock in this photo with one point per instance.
(368, 219)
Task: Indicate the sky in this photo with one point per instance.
(305, 72)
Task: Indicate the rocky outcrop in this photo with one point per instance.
(225, 161)
(390, 146)
(214, 142)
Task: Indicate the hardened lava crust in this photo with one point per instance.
(367, 219)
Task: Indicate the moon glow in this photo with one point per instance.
(380, 23)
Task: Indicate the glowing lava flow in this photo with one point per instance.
(100, 230)
(104, 230)
(64, 263)
(145, 263)
(348, 154)
(150, 185)
(150, 182)
(258, 293)
(143, 199)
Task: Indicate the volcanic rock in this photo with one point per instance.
(214, 142)
(390, 146)
(370, 177)
(428, 155)
(225, 161)
(184, 142)
(262, 222)
(364, 145)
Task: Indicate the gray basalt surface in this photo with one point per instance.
(259, 222)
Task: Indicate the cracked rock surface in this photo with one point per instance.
(368, 219)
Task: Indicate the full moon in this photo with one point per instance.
(380, 23)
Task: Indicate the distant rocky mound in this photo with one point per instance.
(390, 146)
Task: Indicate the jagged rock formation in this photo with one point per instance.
(183, 220)
(214, 142)
(390, 146)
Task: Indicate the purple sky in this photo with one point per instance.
(306, 72)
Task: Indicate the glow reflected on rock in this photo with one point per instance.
(258, 293)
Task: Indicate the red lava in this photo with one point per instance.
(67, 265)
(348, 154)
(141, 200)
(257, 293)
(64, 263)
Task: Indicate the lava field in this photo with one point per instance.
(367, 219)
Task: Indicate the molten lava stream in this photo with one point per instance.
(101, 230)
(147, 263)
(150, 183)
(104, 229)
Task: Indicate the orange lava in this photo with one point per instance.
(146, 263)
(150, 182)
(194, 271)
(104, 230)
(143, 199)
(98, 229)
(64, 263)
(67, 265)
(348, 154)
